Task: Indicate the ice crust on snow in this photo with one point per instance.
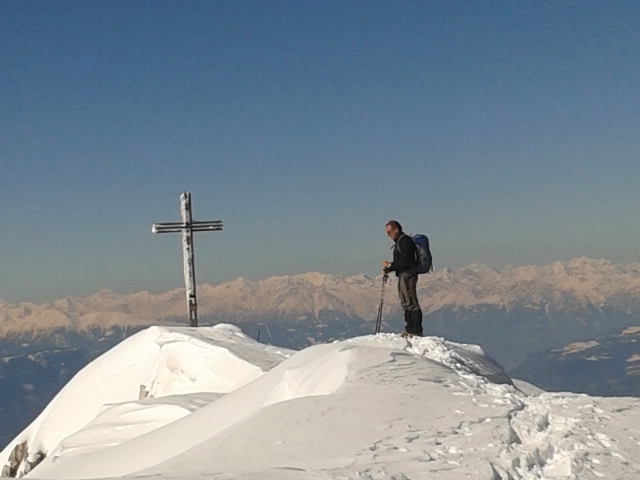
(221, 405)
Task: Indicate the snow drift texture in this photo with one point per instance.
(212, 403)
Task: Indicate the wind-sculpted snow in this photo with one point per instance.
(375, 407)
(152, 364)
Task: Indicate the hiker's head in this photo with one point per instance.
(393, 229)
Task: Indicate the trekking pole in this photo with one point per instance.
(379, 319)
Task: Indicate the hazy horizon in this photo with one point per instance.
(117, 291)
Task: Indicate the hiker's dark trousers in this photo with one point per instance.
(407, 283)
(407, 291)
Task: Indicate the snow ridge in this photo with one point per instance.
(375, 407)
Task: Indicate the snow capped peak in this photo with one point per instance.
(359, 279)
(589, 262)
(314, 278)
(528, 273)
(478, 269)
(239, 283)
(178, 403)
(105, 293)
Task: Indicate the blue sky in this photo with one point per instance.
(509, 132)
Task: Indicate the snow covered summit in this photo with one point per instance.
(213, 403)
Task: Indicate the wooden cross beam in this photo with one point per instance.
(187, 227)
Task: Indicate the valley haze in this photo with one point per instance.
(540, 307)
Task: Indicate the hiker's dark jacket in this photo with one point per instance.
(404, 255)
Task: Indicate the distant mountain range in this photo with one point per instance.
(540, 307)
(513, 314)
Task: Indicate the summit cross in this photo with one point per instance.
(187, 227)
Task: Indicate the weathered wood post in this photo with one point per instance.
(187, 227)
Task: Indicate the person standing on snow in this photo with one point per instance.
(404, 263)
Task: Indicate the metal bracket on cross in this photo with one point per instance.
(187, 227)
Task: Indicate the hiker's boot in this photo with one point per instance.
(416, 322)
(408, 322)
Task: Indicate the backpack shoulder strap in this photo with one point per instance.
(397, 244)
